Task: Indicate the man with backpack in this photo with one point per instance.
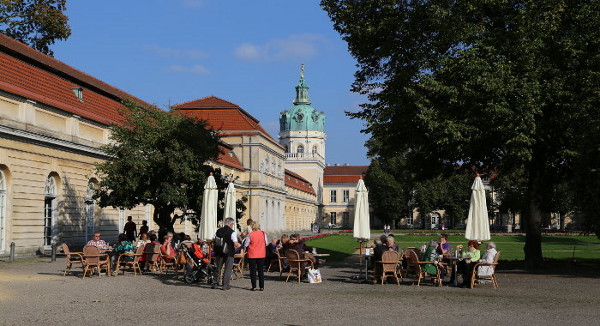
(225, 243)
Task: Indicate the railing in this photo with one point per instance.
(304, 155)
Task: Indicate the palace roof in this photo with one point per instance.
(294, 180)
(35, 76)
(343, 173)
(222, 115)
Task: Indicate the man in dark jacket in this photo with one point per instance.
(228, 234)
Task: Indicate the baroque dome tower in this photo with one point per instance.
(302, 133)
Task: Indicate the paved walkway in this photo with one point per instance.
(35, 292)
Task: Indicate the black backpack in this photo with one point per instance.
(221, 246)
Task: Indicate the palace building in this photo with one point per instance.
(54, 119)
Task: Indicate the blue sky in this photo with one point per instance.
(247, 52)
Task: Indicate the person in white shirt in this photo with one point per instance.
(488, 257)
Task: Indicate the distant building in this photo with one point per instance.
(339, 193)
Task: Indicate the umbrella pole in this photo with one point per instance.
(360, 254)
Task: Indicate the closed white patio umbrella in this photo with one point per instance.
(478, 223)
(230, 200)
(362, 226)
(208, 216)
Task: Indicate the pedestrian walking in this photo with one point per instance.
(226, 241)
(256, 244)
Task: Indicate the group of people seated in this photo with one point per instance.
(435, 252)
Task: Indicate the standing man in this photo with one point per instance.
(230, 239)
(130, 229)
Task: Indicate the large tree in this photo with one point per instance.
(157, 158)
(391, 200)
(497, 85)
(37, 23)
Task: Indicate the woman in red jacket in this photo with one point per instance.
(256, 244)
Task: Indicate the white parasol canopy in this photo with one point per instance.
(362, 227)
(230, 200)
(208, 216)
(478, 223)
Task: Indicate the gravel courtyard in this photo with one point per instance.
(34, 291)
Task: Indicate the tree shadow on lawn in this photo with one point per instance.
(582, 268)
(562, 240)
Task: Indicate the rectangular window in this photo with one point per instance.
(346, 197)
(333, 219)
(333, 196)
(346, 218)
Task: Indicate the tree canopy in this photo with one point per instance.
(391, 202)
(498, 85)
(37, 23)
(157, 158)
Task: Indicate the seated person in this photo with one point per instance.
(242, 239)
(443, 246)
(296, 244)
(167, 250)
(378, 249)
(153, 239)
(488, 258)
(282, 247)
(124, 246)
(271, 251)
(469, 259)
(101, 244)
(143, 240)
(390, 243)
(283, 244)
(431, 255)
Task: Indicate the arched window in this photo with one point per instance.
(2, 212)
(49, 211)
(300, 149)
(90, 209)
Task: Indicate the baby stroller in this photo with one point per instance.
(198, 266)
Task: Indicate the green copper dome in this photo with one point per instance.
(302, 116)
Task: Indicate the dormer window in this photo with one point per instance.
(78, 93)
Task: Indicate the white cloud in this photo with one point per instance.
(299, 46)
(249, 52)
(194, 3)
(195, 70)
(175, 53)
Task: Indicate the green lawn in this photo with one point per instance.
(553, 247)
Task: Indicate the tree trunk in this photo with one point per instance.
(532, 213)
(533, 239)
(162, 217)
